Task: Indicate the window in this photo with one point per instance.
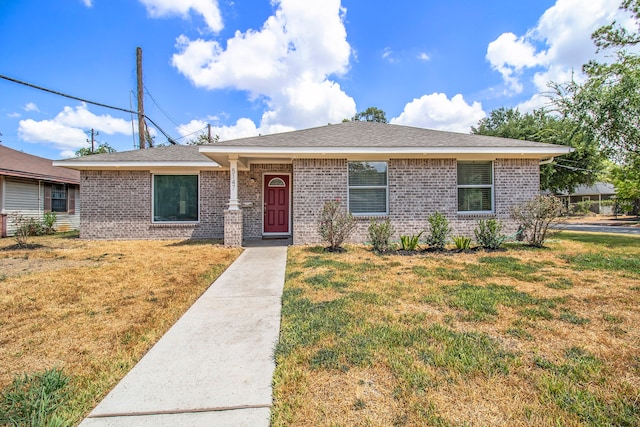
(175, 198)
(58, 198)
(475, 186)
(368, 188)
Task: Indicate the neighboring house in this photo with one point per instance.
(31, 185)
(596, 194)
(276, 185)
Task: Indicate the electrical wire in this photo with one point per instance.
(192, 133)
(99, 104)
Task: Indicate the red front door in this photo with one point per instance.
(276, 204)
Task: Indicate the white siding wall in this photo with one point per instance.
(26, 197)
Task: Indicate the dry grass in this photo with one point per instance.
(523, 337)
(94, 308)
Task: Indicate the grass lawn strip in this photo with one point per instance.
(93, 308)
(523, 337)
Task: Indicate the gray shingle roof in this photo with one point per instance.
(367, 137)
(360, 134)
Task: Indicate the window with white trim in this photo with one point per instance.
(475, 187)
(175, 198)
(368, 191)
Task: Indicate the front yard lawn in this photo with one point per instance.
(93, 308)
(522, 337)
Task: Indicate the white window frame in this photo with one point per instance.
(65, 189)
(491, 186)
(153, 197)
(369, 187)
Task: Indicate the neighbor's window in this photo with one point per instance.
(475, 186)
(58, 198)
(175, 198)
(368, 188)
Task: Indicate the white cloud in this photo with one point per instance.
(287, 64)
(560, 42)
(436, 111)
(13, 115)
(30, 106)
(207, 8)
(387, 54)
(424, 56)
(66, 131)
(88, 3)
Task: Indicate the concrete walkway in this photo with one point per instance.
(214, 367)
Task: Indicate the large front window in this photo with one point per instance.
(368, 188)
(475, 186)
(175, 198)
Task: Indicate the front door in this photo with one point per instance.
(276, 204)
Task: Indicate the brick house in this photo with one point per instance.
(31, 185)
(276, 185)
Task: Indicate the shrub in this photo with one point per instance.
(488, 234)
(34, 400)
(535, 216)
(439, 230)
(463, 243)
(410, 243)
(380, 235)
(336, 225)
(23, 228)
(48, 221)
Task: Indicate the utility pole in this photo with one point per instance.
(209, 132)
(93, 141)
(141, 124)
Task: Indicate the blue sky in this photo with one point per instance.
(252, 67)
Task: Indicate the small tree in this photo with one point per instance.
(535, 216)
(380, 235)
(336, 225)
(439, 230)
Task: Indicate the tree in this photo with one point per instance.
(608, 102)
(102, 148)
(202, 139)
(371, 114)
(579, 167)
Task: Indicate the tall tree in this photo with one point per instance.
(607, 104)
(371, 114)
(567, 172)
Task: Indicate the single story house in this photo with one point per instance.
(31, 185)
(276, 185)
(597, 194)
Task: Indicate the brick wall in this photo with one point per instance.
(117, 205)
(315, 181)
(417, 188)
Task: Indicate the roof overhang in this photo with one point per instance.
(131, 165)
(248, 155)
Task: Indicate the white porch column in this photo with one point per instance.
(234, 204)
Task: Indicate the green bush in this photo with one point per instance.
(463, 243)
(489, 233)
(410, 243)
(35, 400)
(48, 221)
(336, 225)
(439, 230)
(380, 235)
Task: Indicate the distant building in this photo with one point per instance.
(31, 185)
(597, 194)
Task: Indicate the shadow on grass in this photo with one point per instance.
(196, 242)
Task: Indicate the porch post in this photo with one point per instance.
(234, 204)
(233, 216)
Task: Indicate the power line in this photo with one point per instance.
(99, 104)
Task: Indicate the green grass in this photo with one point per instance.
(603, 261)
(38, 399)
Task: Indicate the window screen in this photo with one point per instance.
(368, 188)
(175, 198)
(475, 186)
